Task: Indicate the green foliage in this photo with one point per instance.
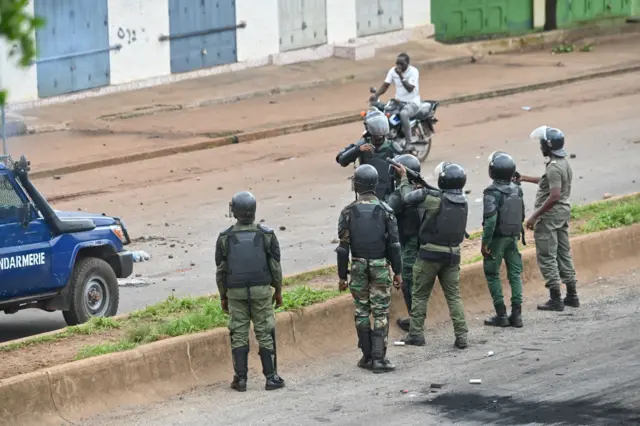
(17, 26)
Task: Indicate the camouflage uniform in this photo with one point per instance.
(370, 283)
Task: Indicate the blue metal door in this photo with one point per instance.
(73, 46)
(25, 251)
(202, 34)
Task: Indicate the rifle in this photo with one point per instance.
(413, 175)
(517, 181)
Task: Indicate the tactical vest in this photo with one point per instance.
(409, 222)
(378, 160)
(448, 227)
(247, 263)
(510, 212)
(368, 231)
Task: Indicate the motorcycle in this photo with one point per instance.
(422, 125)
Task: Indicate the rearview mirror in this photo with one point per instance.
(25, 214)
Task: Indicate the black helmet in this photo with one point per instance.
(501, 166)
(243, 207)
(407, 160)
(365, 179)
(551, 140)
(451, 177)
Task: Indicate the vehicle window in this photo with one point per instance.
(10, 202)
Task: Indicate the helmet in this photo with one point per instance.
(501, 166)
(551, 140)
(243, 206)
(377, 123)
(451, 177)
(365, 179)
(407, 160)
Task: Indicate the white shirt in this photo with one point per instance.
(411, 76)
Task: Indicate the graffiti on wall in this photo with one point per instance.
(128, 35)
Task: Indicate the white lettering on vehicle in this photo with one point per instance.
(23, 261)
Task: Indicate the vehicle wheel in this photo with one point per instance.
(423, 148)
(94, 291)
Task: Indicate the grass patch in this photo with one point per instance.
(306, 277)
(177, 317)
(609, 214)
(91, 327)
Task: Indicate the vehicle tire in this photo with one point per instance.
(422, 151)
(94, 291)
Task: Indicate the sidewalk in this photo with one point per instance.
(163, 117)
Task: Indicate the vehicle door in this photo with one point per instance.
(25, 249)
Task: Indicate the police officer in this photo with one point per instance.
(373, 148)
(502, 227)
(408, 218)
(442, 230)
(248, 264)
(368, 231)
(550, 221)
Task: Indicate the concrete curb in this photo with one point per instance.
(159, 370)
(314, 125)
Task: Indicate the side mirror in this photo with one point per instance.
(25, 214)
(372, 90)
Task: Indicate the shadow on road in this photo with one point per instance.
(501, 410)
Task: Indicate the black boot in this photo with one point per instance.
(414, 340)
(389, 366)
(377, 352)
(500, 319)
(572, 297)
(403, 324)
(240, 358)
(554, 303)
(516, 316)
(461, 342)
(364, 343)
(273, 380)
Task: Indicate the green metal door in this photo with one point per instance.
(571, 13)
(458, 20)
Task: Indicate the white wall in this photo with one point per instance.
(261, 37)
(22, 83)
(341, 21)
(137, 24)
(416, 13)
(145, 61)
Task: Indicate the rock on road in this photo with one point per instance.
(183, 199)
(578, 367)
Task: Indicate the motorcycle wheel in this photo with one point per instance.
(423, 147)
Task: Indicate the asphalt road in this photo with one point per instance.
(179, 203)
(579, 367)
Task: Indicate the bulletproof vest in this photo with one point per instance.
(247, 263)
(368, 231)
(378, 160)
(409, 222)
(510, 211)
(448, 227)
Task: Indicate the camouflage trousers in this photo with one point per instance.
(409, 255)
(371, 290)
